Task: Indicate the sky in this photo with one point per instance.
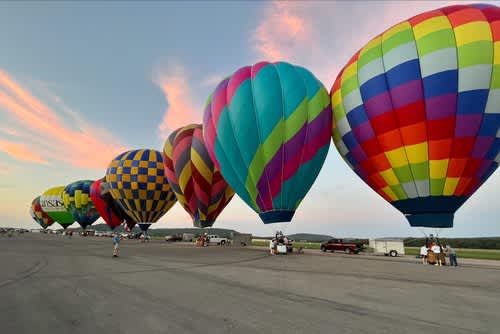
(81, 82)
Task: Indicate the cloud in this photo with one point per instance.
(39, 126)
(21, 152)
(181, 109)
(9, 131)
(281, 31)
(213, 80)
(4, 170)
(322, 36)
(301, 34)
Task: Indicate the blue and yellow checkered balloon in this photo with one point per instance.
(138, 183)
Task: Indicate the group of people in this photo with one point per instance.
(203, 240)
(144, 237)
(278, 240)
(434, 253)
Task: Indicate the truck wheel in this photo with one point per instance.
(347, 251)
(393, 253)
(323, 249)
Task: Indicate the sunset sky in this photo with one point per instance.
(81, 82)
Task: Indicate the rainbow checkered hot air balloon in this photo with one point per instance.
(198, 185)
(40, 216)
(417, 111)
(267, 128)
(77, 201)
(138, 183)
(52, 203)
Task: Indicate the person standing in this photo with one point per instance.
(116, 244)
(423, 254)
(436, 249)
(453, 256)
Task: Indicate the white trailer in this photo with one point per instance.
(241, 239)
(387, 246)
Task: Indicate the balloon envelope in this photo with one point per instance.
(52, 203)
(417, 111)
(267, 128)
(77, 201)
(106, 211)
(198, 185)
(40, 216)
(137, 182)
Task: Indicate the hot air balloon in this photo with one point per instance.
(267, 128)
(198, 185)
(107, 207)
(417, 111)
(137, 182)
(52, 203)
(77, 201)
(40, 216)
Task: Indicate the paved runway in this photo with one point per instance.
(52, 284)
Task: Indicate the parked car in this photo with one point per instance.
(215, 239)
(340, 245)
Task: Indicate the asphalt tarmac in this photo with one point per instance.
(53, 284)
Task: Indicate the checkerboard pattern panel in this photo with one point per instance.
(138, 183)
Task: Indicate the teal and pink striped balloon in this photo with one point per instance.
(267, 128)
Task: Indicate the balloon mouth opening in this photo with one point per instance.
(84, 226)
(431, 211)
(144, 226)
(435, 219)
(278, 216)
(203, 223)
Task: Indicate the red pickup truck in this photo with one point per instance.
(340, 245)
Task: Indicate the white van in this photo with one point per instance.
(388, 246)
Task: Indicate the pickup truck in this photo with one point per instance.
(340, 245)
(215, 239)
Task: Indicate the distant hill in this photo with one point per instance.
(310, 237)
(476, 243)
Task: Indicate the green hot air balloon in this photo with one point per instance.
(76, 198)
(52, 203)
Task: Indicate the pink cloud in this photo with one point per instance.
(21, 152)
(281, 31)
(294, 32)
(4, 170)
(181, 109)
(81, 145)
(9, 131)
(322, 36)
